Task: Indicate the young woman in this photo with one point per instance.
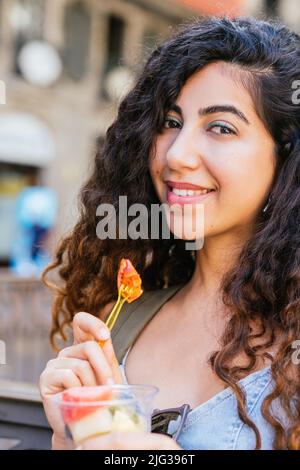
(215, 109)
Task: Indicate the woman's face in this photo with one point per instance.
(204, 144)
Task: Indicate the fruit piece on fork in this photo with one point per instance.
(129, 289)
(129, 281)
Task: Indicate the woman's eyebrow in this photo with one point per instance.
(217, 108)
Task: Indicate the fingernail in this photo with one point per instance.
(104, 334)
(110, 381)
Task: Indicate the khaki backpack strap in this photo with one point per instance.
(135, 316)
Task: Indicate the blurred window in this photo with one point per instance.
(77, 39)
(114, 49)
(13, 179)
(115, 38)
(27, 18)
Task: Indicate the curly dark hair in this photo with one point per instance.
(265, 283)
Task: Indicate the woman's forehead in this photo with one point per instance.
(219, 83)
(217, 79)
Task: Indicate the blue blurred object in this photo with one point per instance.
(36, 211)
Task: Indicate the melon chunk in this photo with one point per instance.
(126, 420)
(94, 424)
(122, 422)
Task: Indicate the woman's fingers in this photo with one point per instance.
(112, 360)
(130, 441)
(87, 327)
(93, 353)
(56, 380)
(84, 363)
(80, 367)
(53, 381)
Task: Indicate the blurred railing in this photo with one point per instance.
(25, 318)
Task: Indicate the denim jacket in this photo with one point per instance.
(215, 424)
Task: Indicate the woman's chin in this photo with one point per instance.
(187, 236)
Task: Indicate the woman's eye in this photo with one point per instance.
(170, 123)
(223, 129)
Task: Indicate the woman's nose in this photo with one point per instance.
(185, 150)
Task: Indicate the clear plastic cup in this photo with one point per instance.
(88, 412)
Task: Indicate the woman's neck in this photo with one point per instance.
(218, 256)
(201, 297)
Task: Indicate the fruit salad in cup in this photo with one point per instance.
(92, 411)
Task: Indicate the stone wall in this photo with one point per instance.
(25, 313)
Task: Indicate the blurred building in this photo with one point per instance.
(287, 11)
(65, 65)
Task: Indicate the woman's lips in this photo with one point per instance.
(176, 199)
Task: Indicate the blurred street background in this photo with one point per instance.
(64, 66)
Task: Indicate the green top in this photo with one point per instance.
(134, 317)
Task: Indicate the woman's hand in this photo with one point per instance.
(130, 441)
(84, 363)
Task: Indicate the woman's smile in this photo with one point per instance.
(187, 196)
